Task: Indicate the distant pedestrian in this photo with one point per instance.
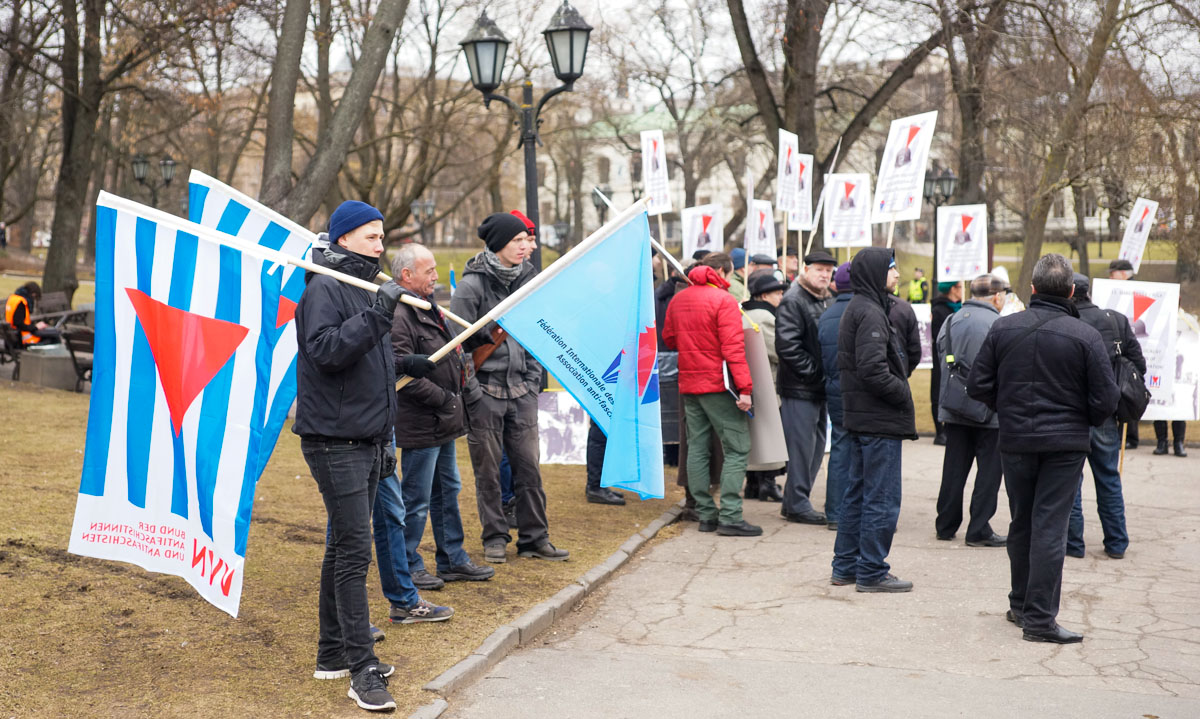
(1048, 377)
(766, 292)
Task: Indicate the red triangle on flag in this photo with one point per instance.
(849, 187)
(188, 349)
(913, 131)
(966, 220)
(286, 312)
(1141, 303)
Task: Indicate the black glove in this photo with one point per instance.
(415, 366)
(388, 297)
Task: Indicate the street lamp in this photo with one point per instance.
(598, 195)
(938, 191)
(166, 168)
(485, 47)
(422, 212)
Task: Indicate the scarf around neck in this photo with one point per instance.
(506, 275)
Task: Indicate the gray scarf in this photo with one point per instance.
(506, 275)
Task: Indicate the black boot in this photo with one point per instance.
(1162, 447)
(1179, 450)
(752, 485)
(768, 491)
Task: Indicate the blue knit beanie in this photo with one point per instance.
(738, 255)
(349, 216)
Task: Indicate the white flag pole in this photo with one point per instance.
(891, 229)
(538, 280)
(653, 242)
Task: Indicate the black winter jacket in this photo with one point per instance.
(345, 376)
(876, 399)
(904, 319)
(801, 374)
(429, 411)
(1123, 337)
(1052, 387)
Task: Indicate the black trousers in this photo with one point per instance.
(347, 473)
(935, 392)
(1178, 430)
(1132, 432)
(597, 443)
(967, 445)
(1041, 491)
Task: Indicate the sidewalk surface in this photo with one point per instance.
(708, 626)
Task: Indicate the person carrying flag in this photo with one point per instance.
(345, 410)
(705, 326)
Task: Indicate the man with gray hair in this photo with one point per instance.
(972, 430)
(1057, 383)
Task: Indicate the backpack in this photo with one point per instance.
(1132, 384)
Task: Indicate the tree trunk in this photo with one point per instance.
(1081, 235)
(281, 107)
(1060, 149)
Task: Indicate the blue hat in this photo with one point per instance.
(738, 255)
(349, 216)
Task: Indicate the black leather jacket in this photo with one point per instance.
(801, 374)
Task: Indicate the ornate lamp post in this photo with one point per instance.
(422, 212)
(938, 191)
(166, 168)
(485, 48)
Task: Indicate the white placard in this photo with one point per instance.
(1152, 309)
(924, 314)
(900, 187)
(793, 175)
(1137, 231)
(962, 242)
(654, 172)
(703, 229)
(562, 428)
(1184, 401)
(847, 214)
(759, 237)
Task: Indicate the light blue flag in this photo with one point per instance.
(591, 325)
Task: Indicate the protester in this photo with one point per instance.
(789, 265)
(802, 384)
(918, 287)
(502, 415)
(948, 301)
(758, 263)
(904, 319)
(971, 434)
(345, 421)
(737, 280)
(1120, 270)
(765, 294)
(18, 312)
(430, 417)
(839, 440)
(1178, 433)
(704, 325)
(1054, 376)
(1012, 303)
(671, 408)
(878, 413)
(1104, 452)
(597, 445)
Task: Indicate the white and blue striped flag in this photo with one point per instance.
(190, 389)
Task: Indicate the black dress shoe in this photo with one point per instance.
(1054, 635)
(1131, 444)
(741, 529)
(1115, 555)
(812, 516)
(1162, 447)
(768, 491)
(939, 439)
(1015, 618)
(945, 537)
(708, 525)
(995, 540)
(604, 495)
(1179, 450)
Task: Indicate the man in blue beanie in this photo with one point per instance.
(737, 281)
(345, 411)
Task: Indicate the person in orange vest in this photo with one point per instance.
(18, 312)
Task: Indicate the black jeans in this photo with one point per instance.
(967, 445)
(347, 473)
(1041, 491)
(597, 444)
(507, 427)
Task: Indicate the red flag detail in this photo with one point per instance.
(705, 220)
(188, 349)
(849, 187)
(913, 131)
(286, 312)
(966, 220)
(1141, 303)
(647, 356)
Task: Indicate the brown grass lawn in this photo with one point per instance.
(84, 637)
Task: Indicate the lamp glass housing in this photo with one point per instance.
(167, 167)
(140, 165)
(486, 49)
(567, 39)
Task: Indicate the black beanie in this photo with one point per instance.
(498, 230)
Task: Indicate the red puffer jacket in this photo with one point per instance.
(705, 326)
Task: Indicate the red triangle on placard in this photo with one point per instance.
(1141, 303)
(913, 131)
(1145, 211)
(705, 220)
(849, 186)
(802, 166)
(966, 220)
(762, 219)
(188, 349)
(286, 312)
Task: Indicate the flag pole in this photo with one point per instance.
(538, 280)
(653, 242)
(891, 230)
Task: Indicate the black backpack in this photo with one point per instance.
(1134, 395)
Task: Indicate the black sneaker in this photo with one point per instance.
(341, 671)
(467, 572)
(741, 529)
(889, 584)
(544, 550)
(369, 691)
(495, 552)
(422, 611)
(604, 495)
(425, 581)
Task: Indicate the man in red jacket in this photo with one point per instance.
(704, 325)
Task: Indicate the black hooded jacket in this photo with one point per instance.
(345, 375)
(876, 399)
(1056, 382)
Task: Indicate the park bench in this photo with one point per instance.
(80, 342)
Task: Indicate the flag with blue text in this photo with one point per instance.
(591, 325)
(186, 329)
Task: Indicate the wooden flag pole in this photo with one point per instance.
(891, 230)
(1124, 434)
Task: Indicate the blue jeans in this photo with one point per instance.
(387, 518)
(506, 485)
(869, 510)
(430, 487)
(837, 474)
(1110, 503)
